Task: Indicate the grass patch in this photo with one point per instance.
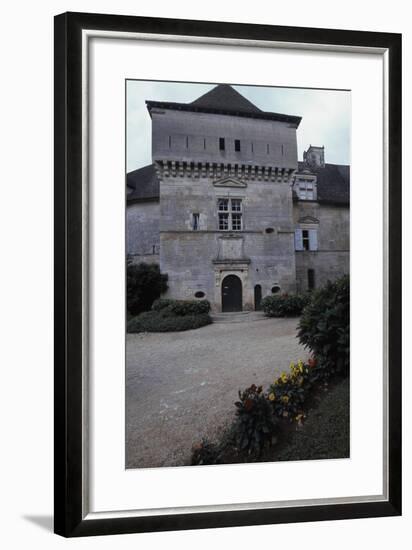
(325, 434)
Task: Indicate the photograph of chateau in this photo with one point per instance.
(226, 187)
(238, 260)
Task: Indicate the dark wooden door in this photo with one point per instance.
(231, 293)
(258, 297)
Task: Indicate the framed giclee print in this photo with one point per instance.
(228, 281)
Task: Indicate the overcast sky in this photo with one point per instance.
(325, 115)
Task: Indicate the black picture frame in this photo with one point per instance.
(68, 431)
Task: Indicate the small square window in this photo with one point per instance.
(236, 222)
(223, 205)
(221, 144)
(236, 205)
(223, 222)
(237, 145)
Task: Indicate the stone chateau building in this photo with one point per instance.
(227, 210)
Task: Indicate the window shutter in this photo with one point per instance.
(298, 239)
(313, 239)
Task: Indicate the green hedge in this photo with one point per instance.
(181, 307)
(324, 326)
(154, 321)
(285, 305)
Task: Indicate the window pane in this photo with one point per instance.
(223, 221)
(236, 205)
(305, 239)
(195, 221)
(223, 204)
(236, 222)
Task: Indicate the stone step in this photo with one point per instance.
(238, 317)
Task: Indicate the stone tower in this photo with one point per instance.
(226, 212)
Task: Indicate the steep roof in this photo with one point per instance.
(224, 100)
(224, 96)
(142, 184)
(333, 182)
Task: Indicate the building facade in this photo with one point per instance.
(227, 210)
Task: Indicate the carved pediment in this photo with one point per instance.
(308, 219)
(229, 182)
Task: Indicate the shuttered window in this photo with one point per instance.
(306, 239)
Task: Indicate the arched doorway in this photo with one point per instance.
(258, 297)
(231, 293)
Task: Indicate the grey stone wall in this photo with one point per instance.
(188, 136)
(199, 260)
(331, 260)
(142, 231)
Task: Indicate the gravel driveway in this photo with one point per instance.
(180, 387)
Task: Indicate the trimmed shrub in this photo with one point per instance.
(255, 425)
(161, 303)
(324, 326)
(285, 305)
(145, 283)
(181, 307)
(154, 321)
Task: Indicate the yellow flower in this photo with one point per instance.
(300, 365)
(284, 377)
(271, 397)
(284, 399)
(292, 365)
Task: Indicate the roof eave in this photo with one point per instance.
(187, 107)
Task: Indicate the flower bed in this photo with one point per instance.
(263, 417)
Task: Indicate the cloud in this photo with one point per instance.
(326, 115)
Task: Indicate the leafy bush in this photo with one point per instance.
(161, 303)
(290, 390)
(181, 307)
(255, 424)
(324, 326)
(285, 305)
(145, 283)
(205, 453)
(154, 321)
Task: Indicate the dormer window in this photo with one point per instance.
(306, 189)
